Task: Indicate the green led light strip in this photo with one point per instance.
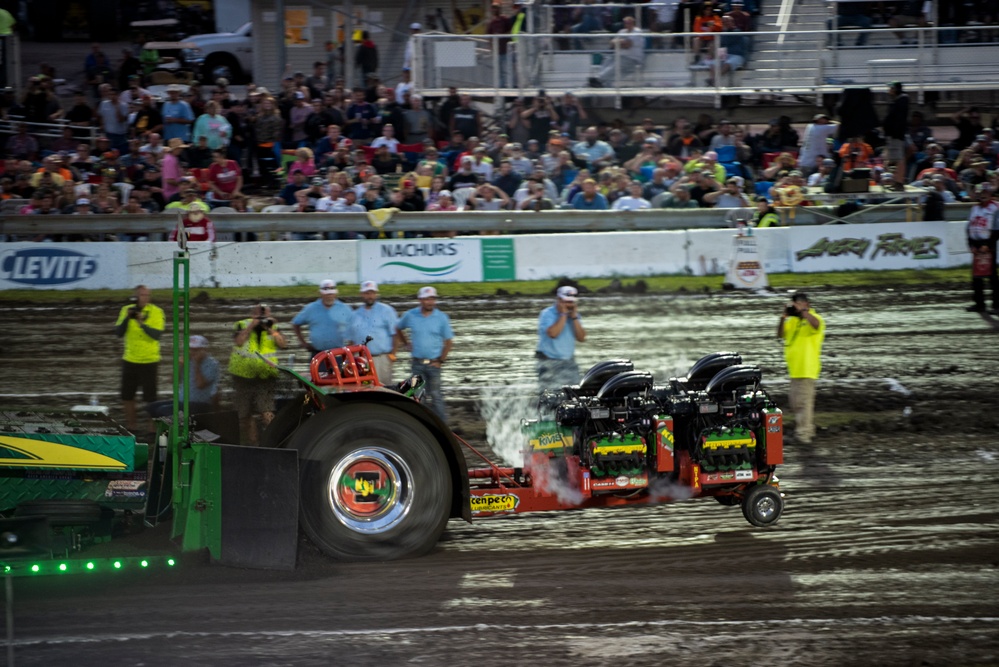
(30, 568)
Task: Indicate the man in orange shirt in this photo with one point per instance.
(856, 153)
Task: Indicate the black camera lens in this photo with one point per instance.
(791, 311)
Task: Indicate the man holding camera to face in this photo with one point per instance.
(253, 379)
(559, 329)
(802, 330)
(141, 325)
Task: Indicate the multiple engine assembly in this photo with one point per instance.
(716, 425)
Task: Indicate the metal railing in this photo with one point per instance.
(465, 222)
(798, 62)
(83, 134)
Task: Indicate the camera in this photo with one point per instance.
(265, 322)
(134, 312)
(791, 311)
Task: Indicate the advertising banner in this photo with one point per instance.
(745, 269)
(63, 266)
(420, 260)
(895, 245)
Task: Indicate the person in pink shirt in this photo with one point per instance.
(303, 161)
(171, 171)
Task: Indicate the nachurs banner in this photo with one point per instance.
(70, 266)
(901, 245)
(420, 260)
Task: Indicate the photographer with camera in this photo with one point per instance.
(254, 380)
(802, 330)
(559, 328)
(541, 117)
(141, 325)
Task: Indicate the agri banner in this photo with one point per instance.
(63, 266)
(436, 260)
(877, 247)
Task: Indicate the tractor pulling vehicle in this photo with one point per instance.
(380, 475)
(369, 473)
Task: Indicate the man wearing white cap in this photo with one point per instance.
(431, 344)
(202, 379)
(407, 57)
(327, 318)
(559, 328)
(376, 320)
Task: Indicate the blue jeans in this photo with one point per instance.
(432, 376)
(556, 373)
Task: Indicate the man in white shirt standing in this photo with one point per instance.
(815, 145)
(630, 46)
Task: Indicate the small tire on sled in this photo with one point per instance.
(762, 505)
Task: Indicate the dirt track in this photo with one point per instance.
(887, 553)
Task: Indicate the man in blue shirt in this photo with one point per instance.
(202, 378)
(377, 320)
(431, 344)
(559, 327)
(328, 320)
(178, 117)
(588, 199)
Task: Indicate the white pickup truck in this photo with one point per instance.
(225, 54)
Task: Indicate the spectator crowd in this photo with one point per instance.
(314, 146)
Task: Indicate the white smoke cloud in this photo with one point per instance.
(504, 410)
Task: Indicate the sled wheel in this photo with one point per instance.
(762, 505)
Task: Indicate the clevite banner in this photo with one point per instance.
(62, 266)
(894, 245)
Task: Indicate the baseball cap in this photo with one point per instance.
(299, 95)
(711, 155)
(415, 26)
(369, 286)
(567, 293)
(939, 165)
(444, 193)
(427, 292)
(196, 342)
(408, 183)
(83, 201)
(318, 181)
(327, 287)
(820, 115)
(829, 162)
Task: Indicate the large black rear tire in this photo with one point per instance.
(375, 484)
(290, 417)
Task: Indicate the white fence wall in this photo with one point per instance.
(524, 257)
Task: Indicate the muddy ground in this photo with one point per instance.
(887, 553)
